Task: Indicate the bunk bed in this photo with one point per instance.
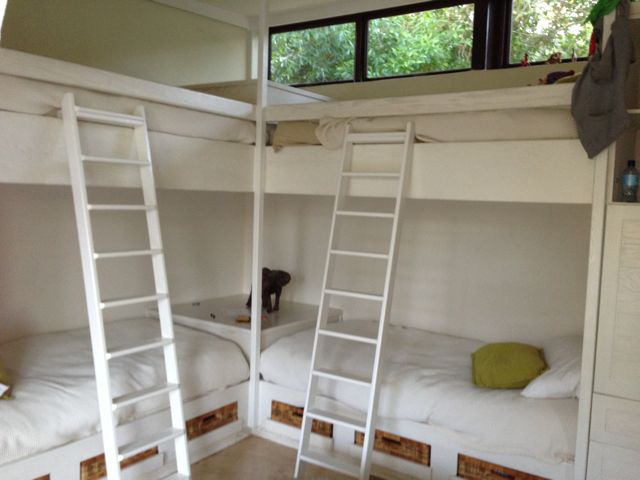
(199, 142)
(527, 162)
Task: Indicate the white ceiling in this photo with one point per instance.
(292, 11)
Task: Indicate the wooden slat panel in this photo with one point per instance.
(475, 469)
(398, 446)
(95, 468)
(212, 420)
(292, 415)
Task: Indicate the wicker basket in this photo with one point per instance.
(94, 468)
(476, 469)
(212, 420)
(398, 446)
(291, 415)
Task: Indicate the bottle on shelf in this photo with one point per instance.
(630, 182)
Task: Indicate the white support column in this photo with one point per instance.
(258, 218)
(598, 217)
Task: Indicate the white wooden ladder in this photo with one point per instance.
(365, 424)
(108, 405)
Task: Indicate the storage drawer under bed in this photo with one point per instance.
(475, 469)
(398, 446)
(292, 416)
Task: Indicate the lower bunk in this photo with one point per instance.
(49, 429)
(433, 423)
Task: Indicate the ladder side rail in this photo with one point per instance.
(374, 395)
(91, 285)
(323, 308)
(141, 137)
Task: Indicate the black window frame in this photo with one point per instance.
(491, 46)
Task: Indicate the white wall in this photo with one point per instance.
(41, 286)
(482, 270)
(139, 38)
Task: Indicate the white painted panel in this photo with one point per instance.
(40, 278)
(607, 462)
(616, 421)
(489, 271)
(544, 171)
(618, 361)
(33, 152)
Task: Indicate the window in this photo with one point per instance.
(314, 55)
(422, 42)
(540, 28)
(430, 37)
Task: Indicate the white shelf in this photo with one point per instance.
(218, 316)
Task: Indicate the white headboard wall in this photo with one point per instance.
(481, 270)
(41, 286)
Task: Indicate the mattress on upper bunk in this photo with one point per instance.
(427, 379)
(503, 125)
(54, 399)
(42, 98)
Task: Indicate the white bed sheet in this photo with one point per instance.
(41, 98)
(54, 394)
(427, 378)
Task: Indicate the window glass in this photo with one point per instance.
(314, 55)
(543, 27)
(421, 42)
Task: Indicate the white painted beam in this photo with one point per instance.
(209, 11)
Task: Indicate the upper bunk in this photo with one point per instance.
(190, 153)
(198, 141)
(507, 145)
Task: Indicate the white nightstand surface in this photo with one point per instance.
(291, 318)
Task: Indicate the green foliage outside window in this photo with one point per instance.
(430, 41)
(315, 55)
(540, 28)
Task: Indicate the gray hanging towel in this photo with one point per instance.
(598, 102)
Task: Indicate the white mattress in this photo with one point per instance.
(42, 98)
(427, 378)
(54, 395)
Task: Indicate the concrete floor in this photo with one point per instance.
(256, 458)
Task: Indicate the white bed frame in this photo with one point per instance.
(63, 463)
(514, 171)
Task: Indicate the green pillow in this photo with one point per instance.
(507, 365)
(5, 382)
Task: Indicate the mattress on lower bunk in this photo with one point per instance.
(42, 98)
(427, 379)
(54, 399)
(504, 125)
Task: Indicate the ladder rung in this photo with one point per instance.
(143, 444)
(370, 175)
(127, 253)
(140, 395)
(352, 253)
(109, 118)
(346, 465)
(354, 294)
(124, 208)
(138, 348)
(122, 302)
(330, 417)
(377, 138)
(352, 213)
(347, 336)
(342, 377)
(116, 161)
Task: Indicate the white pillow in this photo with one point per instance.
(562, 380)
